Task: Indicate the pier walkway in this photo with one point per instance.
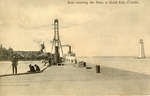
(70, 80)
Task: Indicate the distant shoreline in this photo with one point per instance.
(134, 57)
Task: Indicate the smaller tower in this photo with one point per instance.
(142, 52)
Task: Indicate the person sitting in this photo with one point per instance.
(37, 68)
(31, 68)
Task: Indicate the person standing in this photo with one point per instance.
(14, 64)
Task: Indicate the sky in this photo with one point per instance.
(92, 30)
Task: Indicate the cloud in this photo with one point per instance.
(91, 30)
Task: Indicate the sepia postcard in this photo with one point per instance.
(74, 47)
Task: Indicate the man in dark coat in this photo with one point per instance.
(31, 68)
(37, 68)
(14, 64)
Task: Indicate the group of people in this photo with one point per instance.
(34, 68)
(14, 60)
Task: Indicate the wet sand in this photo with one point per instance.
(70, 80)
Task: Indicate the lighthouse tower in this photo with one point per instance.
(142, 52)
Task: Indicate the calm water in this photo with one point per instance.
(23, 66)
(124, 63)
(114, 60)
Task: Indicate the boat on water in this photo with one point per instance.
(56, 56)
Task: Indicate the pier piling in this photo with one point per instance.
(98, 69)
